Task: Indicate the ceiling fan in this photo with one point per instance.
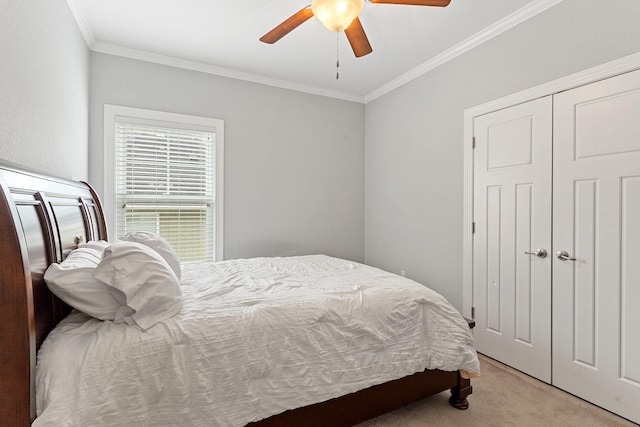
(340, 15)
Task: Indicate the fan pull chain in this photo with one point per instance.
(337, 56)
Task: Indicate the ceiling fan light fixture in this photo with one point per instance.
(336, 15)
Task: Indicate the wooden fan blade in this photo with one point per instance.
(287, 26)
(439, 3)
(358, 39)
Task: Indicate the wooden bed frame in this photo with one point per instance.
(43, 218)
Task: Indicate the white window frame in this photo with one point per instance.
(111, 112)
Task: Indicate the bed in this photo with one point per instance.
(43, 219)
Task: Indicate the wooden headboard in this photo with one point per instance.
(42, 218)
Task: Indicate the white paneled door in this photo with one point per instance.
(512, 240)
(556, 286)
(596, 221)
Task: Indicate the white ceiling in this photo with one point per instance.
(221, 37)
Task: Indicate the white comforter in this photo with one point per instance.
(254, 338)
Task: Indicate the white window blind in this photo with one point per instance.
(165, 184)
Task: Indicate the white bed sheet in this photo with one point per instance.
(254, 338)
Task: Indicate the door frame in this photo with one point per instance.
(600, 72)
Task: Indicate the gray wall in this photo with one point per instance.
(44, 88)
(294, 162)
(414, 135)
(298, 170)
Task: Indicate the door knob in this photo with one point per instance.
(564, 256)
(540, 253)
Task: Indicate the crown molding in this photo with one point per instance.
(220, 71)
(477, 39)
(83, 25)
(505, 24)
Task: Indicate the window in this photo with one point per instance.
(163, 174)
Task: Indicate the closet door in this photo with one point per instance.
(512, 215)
(596, 222)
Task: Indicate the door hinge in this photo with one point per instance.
(473, 227)
(474, 142)
(473, 312)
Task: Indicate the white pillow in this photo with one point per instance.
(72, 282)
(98, 245)
(143, 283)
(158, 244)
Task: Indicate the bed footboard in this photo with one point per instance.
(369, 403)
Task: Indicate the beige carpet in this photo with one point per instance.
(503, 397)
